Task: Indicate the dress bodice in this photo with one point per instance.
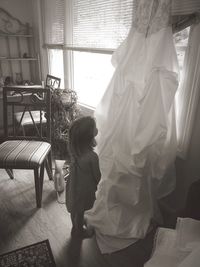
(151, 15)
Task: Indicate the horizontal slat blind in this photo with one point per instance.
(101, 23)
(95, 24)
(53, 20)
(185, 7)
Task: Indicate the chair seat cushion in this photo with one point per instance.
(23, 154)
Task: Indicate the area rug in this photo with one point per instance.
(37, 254)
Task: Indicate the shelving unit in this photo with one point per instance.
(17, 54)
(17, 51)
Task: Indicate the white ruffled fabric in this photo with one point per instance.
(178, 247)
(137, 137)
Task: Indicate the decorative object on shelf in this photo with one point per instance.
(18, 78)
(26, 82)
(64, 110)
(25, 55)
(8, 81)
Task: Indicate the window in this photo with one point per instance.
(99, 26)
(188, 92)
(92, 73)
(181, 42)
(56, 66)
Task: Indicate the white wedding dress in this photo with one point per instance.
(137, 133)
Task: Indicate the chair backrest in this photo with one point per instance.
(27, 99)
(52, 82)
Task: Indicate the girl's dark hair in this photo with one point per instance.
(81, 136)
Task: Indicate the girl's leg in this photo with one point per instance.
(73, 215)
(78, 226)
(85, 232)
(80, 221)
(77, 223)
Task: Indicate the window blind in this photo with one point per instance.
(95, 24)
(100, 24)
(185, 7)
(53, 21)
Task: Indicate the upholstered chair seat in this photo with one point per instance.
(22, 154)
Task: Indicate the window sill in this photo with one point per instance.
(86, 110)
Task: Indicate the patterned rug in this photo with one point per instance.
(38, 254)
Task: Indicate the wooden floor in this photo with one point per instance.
(22, 224)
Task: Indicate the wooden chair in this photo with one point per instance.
(26, 152)
(52, 82)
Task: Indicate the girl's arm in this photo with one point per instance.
(95, 167)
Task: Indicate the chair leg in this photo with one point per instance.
(37, 187)
(48, 165)
(10, 173)
(41, 180)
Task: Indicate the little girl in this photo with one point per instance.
(84, 172)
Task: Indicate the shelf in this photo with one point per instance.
(22, 59)
(16, 35)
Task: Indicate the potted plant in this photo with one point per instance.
(64, 110)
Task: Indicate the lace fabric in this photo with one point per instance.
(152, 15)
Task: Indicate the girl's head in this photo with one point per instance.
(82, 134)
